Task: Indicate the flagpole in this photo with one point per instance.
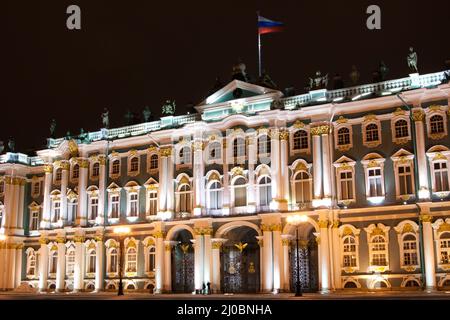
(259, 49)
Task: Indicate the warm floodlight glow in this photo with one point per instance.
(296, 219)
(2, 237)
(121, 230)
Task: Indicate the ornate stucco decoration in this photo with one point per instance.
(114, 154)
(285, 242)
(158, 234)
(241, 246)
(323, 223)
(284, 135)
(439, 156)
(369, 117)
(237, 171)
(48, 168)
(198, 146)
(434, 108)
(437, 136)
(344, 148)
(399, 112)
(214, 176)
(203, 231)
(300, 167)
(132, 152)
(320, 130)
(152, 148)
(426, 218)
(262, 130)
(341, 120)
(444, 227)
(418, 115)
(298, 124)
(165, 152)
(217, 245)
(377, 231)
(73, 148)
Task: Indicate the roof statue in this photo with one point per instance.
(238, 72)
(319, 81)
(338, 82)
(146, 113)
(11, 144)
(266, 81)
(168, 109)
(383, 70)
(52, 128)
(128, 117)
(68, 135)
(2, 147)
(354, 75)
(412, 60)
(84, 137)
(105, 118)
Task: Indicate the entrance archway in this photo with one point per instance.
(183, 263)
(240, 262)
(307, 257)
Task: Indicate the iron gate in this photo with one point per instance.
(308, 263)
(183, 268)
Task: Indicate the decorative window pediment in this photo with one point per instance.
(408, 240)
(400, 127)
(371, 131)
(345, 177)
(438, 157)
(404, 174)
(343, 134)
(436, 119)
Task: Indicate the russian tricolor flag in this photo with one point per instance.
(268, 26)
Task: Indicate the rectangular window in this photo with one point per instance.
(410, 253)
(133, 205)
(152, 203)
(375, 183)
(93, 209)
(34, 224)
(346, 180)
(36, 188)
(440, 176)
(115, 207)
(405, 180)
(56, 211)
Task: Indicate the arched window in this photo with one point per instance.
(113, 260)
(410, 250)
(264, 144)
(300, 140)
(131, 265)
(215, 195)
(265, 191)
(444, 248)
(151, 259)
(239, 147)
(412, 283)
(302, 188)
(215, 151)
(343, 136)
(154, 162)
(350, 285)
(372, 133)
(115, 167)
(58, 175)
(70, 261)
(436, 124)
(184, 198)
(379, 251)
(95, 170)
(53, 261)
(90, 287)
(185, 155)
(130, 286)
(401, 129)
(76, 171)
(91, 261)
(134, 164)
(240, 192)
(349, 254)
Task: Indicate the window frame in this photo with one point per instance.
(366, 123)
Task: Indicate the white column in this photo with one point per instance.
(99, 264)
(198, 174)
(162, 197)
(317, 166)
(2, 264)
(207, 259)
(43, 265)
(64, 182)
(61, 268)
(8, 203)
(275, 168)
(11, 271)
(252, 184)
(216, 247)
(429, 253)
(82, 196)
(102, 190)
(18, 278)
(286, 263)
(21, 211)
(226, 183)
(277, 258)
(424, 190)
(267, 261)
(78, 277)
(198, 258)
(15, 204)
(45, 224)
(168, 265)
(284, 170)
(159, 264)
(326, 164)
(324, 268)
(336, 255)
(170, 184)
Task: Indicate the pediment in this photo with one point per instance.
(401, 153)
(234, 90)
(344, 159)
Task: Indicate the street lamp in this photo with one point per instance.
(121, 232)
(296, 220)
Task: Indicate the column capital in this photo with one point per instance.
(426, 218)
(43, 241)
(335, 223)
(323, 224)
(48, 168)
(61, 240)
(199, 231)
(158, 234)
(418, 115)
(78, 239)
(102, 159)
(320, 130)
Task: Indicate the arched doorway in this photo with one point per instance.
(183, 263)
(240, 262)
(307, 257)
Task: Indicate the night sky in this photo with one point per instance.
(132, 54)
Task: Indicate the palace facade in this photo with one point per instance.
(207, 196)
